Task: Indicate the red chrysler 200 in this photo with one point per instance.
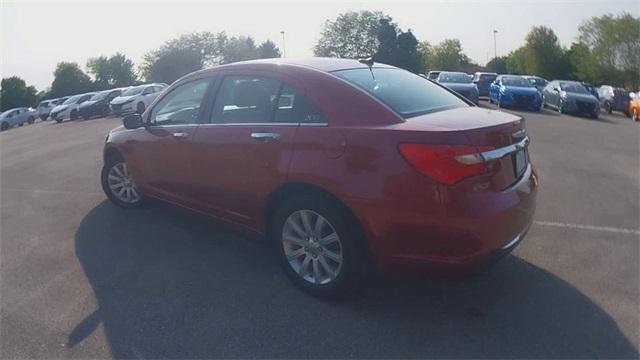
(338, 161)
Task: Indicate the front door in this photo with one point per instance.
(161, 163)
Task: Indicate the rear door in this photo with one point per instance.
(243, 154)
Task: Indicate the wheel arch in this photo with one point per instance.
(111, 152)
(291, 189)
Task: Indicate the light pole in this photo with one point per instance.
(495, 48)
(284, 51)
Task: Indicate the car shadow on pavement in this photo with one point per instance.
(172, 284)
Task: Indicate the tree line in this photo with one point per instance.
(607, 50)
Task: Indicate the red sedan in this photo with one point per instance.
(338, 161)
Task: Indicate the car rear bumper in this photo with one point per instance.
(468, 230)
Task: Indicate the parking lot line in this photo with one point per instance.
(589, 227)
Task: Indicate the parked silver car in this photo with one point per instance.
(45, 107)
(17, 116)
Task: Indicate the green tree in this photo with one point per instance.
(239, 49)
(113, 71)
(408, 57)
(426, 52)
(69, 79)
(448, 55)
(614, 42)
(543, 55)
(498, 65)
(350, 35)
(516, 62)
(182, 55)
(14, 92)
(268, 50)
(387, 42)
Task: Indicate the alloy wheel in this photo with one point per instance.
(312, 247)
(121, 184)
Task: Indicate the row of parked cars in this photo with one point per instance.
(534, 93)
(87, 105)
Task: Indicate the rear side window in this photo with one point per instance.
(407, 94)
(293, 107)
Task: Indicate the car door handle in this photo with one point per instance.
(180, 135)
(265, 137)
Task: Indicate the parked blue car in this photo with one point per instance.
(515, 91)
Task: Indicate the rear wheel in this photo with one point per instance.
(318, 244)
(59, 120)
(4, 126)
(73, 115)
(31, 120)
(43, 118)
(140, 108)
(594, 115)
(118, 184)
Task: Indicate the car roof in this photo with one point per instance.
(486, 73)
(318, 63)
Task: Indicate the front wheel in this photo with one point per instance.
(594, 115)
(118, 184)
(31, 120)
(43, 118)
(318, 245)
(4, 126)
(73, 115)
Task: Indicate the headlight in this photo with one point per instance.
(563, 94)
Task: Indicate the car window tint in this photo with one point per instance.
(245, 99)
(293, 107)
(181, 105)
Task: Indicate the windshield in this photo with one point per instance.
(537, 81)
(133, 91)
(573, 88)
(406, 93)
(43, 104)
(72, 100)
(100, 96)
(451, 77)
(515, 81)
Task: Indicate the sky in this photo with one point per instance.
(36, 35)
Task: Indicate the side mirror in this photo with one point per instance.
(132, 121)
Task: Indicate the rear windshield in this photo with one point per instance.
(485, 77)
(407, 94)
(516, 81)
(573, 88)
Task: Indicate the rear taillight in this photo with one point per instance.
(447, 164)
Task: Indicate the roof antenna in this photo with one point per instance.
(369, 62)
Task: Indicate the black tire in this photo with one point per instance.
(43, 118)
(73, 115)
(86, 117)
(607, 107)
(110, 162)
(594, 115)
(58, 120)
(4, 126)
(140, 108)
(31, 120)
(20, 124)
(350, 239)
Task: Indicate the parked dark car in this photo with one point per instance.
(614, 99)
(591, 89)
(483, 80)
(98, 105)
(515, 91)
(336, 161)
(461, 83)
(570, 97)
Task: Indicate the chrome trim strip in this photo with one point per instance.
(517, 239)
(498, 154)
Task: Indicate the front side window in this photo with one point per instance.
(181, 105)
(246, 99)
(407, 94)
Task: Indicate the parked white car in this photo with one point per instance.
(17, 116)
(136, 99)
(45, 107)
(69, 108)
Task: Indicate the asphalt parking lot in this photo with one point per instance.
(82, 278)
